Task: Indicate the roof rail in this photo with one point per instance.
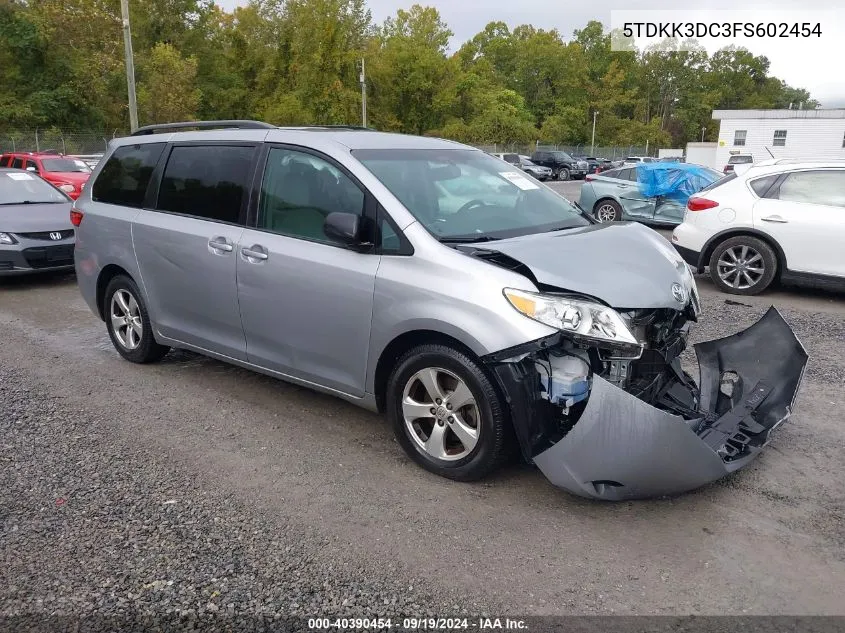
(329, 127)
(203, 125)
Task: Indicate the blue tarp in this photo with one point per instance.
(676, 181)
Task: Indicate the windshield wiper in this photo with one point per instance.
(466, 240)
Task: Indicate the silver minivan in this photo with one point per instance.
(485, 314)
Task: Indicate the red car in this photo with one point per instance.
(65, 172)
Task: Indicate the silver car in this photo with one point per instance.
(36, 235)
(483, 313)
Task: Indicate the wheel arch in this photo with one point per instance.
(720, 237)
(108, 273)
(400, 344)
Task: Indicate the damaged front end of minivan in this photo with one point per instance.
(624, 421)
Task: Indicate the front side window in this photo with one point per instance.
(469, 196)
(825, 187)
(30, 165)
(762, 185)
(65, 165)
(739, 137)
(126, 175)
(206, 181)
(24, 188)
(779, 138)
(298, 192)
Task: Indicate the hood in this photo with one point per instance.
(34, 218)
(73, 177)
(626, 265)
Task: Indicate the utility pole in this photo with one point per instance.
(363, 93)
(646, 147)
(703, 130)
(593, 142)
(130, 65)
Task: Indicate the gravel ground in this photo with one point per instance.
(124, 531)
(193, 487)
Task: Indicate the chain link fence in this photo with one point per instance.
(53, 139)
(615, 152)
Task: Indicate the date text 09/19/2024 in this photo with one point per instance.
(417, 624)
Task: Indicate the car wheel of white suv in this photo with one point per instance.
(743, 265)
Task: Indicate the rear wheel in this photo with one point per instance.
(607, 211)
(446, 414)
(128, 322)
(743, 265)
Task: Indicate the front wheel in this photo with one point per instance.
(446, 414)
(743, 265)
(128, 322)
(563, 174)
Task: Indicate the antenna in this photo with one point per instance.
(770, 153)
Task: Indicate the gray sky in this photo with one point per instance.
(804, 63)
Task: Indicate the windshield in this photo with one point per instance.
(562, 156)
(468, 195)
(24, 188)
(528, 163)
(65, 165)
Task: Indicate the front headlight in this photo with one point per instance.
(577, 316)
(5, 238)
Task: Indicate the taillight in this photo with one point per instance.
(700, 204)
(588, 178)
(76, 216)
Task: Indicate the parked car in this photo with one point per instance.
(36, 234)
(510, 157)
(89, 159)
(481, 311)
(65, 172)
(739, 159)
(633, 160)
(538, 171)
(617, 194)
(784, 220)
(563, 165)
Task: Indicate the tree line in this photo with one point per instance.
(294, 62)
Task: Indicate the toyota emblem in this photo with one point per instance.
(679, 293)
(55, 236)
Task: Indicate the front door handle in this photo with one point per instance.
(221, 244)
(254, 254)
(775, 218)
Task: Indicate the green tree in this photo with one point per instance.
(167, 90)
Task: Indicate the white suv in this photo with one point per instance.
(778, 219)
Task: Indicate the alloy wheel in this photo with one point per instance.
(606, 213)
(441, 415)
(741, 267)
(126, 319)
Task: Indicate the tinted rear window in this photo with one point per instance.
(206, 181)
(762, 185)
(126, 175)
(17, 163)
(720, 182)
(740, 160)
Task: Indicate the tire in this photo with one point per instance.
(563, 174)
(494, 437)
(606, 211)
(122, 294)
(743, 265)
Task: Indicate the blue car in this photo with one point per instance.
(654, 193)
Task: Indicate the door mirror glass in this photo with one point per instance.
(31, 169)
(342, 227)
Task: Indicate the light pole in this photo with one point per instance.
(130, 65)
(363, 94)
(593, 142)
(703, 130)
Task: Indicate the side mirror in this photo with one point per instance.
(31, 169)
(343, 228)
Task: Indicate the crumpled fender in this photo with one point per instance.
(624, 448)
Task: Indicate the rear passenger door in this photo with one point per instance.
(804, 211)
(306, 301)
(187, 244)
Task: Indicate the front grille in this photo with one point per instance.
(49, 256)
(46, 235)
(5, 265)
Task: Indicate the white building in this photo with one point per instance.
(814, 134)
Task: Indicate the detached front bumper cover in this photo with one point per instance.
(624, 448)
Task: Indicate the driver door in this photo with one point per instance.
(634, 202)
